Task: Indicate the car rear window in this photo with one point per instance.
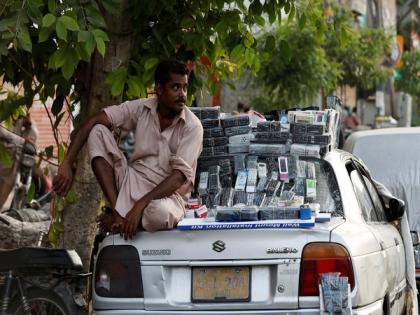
(327, 191)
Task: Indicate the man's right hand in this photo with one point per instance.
(62, 182)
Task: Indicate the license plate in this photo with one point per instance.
(220, 284)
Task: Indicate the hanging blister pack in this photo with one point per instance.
(203, 183)
(239, 163)
(239, 197)
(226, 197)
(241, 181)
(251, 183)
(214, 180)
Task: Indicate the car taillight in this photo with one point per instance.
(318, 258)
(118, 273)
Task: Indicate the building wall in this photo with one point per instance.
(40, 117)
(46, 135)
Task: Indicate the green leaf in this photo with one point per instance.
(44, 34)
(270, 43)
(49, 151)
(57, 105)
(150, 63)
(83, 36)
(291, 14)
(98, 33)
(90, 44)
(7, 24)
(71, 197)
(24, 40)
(5, 157)
(100, 44)
(31, 193)
(69, 23)
(248, 39)
(52, 237)
(51, 6)
(260, 20)
(255, 8)
(237, 52)
(67, 70)
(285, 51)
(81, 50)
(135, 86)
(95, 17)
(57, 59)
(58, 227)
(302, 21)
(112, 7)
(58, 120)
(117, 87)
(60, 153)
(48, 20)
(61, 30)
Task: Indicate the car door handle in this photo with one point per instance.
(382, 244)
(397, 242)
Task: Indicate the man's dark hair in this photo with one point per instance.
(165, 68)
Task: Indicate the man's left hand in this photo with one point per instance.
(132, 220)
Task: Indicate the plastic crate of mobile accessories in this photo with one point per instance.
(268, 126)
(212, 151)
(213, 132)
(206, 112)
(215, 142)
(261, 149)
(236, 214)
(278, 213)
(271, 137)
(234, 121)
(312, 150)
(312, 129)
(210, 123)
(242, 139)
(238, 148)
(239, 130)
(324, 139)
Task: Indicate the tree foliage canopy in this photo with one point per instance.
(410, 74)
(307, 61)
(44, 43)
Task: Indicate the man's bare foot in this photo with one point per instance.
(110, 221)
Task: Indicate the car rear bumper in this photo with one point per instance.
(372, 309)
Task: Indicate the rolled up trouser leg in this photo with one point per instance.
(101, 143)
(163, 214)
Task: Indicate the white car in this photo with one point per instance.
(264, 271)
(392, 157)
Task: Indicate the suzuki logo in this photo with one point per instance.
(219, 246)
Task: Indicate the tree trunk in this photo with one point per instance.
(79, 217)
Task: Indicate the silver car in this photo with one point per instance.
(264, 271)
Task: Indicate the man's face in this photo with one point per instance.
(173, 94)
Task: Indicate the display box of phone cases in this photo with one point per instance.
(265, 174)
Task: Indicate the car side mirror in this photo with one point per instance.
(395, 209)
(415, 238)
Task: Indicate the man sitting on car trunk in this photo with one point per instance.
(149, 189)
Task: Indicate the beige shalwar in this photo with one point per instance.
(155, 156)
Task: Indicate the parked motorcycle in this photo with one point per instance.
(26, 155)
